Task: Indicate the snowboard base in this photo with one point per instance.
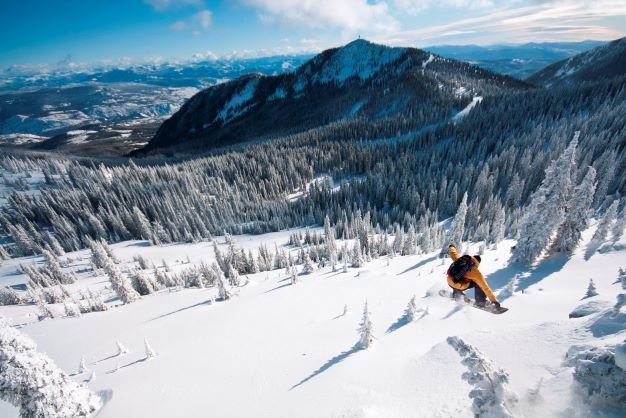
(489, 307)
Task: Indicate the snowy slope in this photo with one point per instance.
(282, 350)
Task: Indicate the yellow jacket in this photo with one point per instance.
(474, 275)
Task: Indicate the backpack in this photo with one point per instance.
(458, 268)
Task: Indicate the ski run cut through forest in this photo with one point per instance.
(287, 256)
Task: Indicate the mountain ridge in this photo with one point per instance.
(605, 61)
(358, 80)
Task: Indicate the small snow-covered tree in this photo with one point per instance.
(121, 349)
(143, 283)
(498, 227)
(99, 255)
(120, 284)
(71, 309)
(150, 353)
(398, 240)
(43, 310)
(591, 290)
(307, 268)
(53, 269)
(233, 276)
(491, 398)
(577, 214)
(605, 224)
(223, 292)
(357, 257)
(410, 312)
(32, 382)
(618, 227)
(365, 329)
(82, 366)
(455, 236)
(410, 243)
(95, 302)
(8, 296)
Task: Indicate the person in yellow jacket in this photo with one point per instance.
(472, 279)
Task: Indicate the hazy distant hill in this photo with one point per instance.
(604, 62)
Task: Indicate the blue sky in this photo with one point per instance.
(55, 32)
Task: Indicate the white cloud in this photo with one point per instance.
(161, 5)
(200, 21)
(414, 7)
(553, 20)
(348, 15)
(179, 25)
(203, 19)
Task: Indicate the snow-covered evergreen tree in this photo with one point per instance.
(32, 382)
(398, 240)
(591, 289)
(498, 227)
(99, 256)
(223, 292)
(307, 267)
(357, 257)
(71, 309)
(620, 224)
(120, 284)
(294, 275)
(233, 276)
(150, 353)
(577, 214)
(455, 236)
(143, 283)
(410, 243)
(8, 296)
(142, 225)
(605, 223)
(410, 312)
(491, 398)
(121, 350)
(53, 269)
(365, 329)
(44, 312)
(82, 366)
(547, 209)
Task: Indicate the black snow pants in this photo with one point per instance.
(479, 296)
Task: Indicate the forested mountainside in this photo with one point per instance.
(603, 62)
(497, 155)
(360, 80)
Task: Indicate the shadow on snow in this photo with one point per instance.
(418, 265)
(330, 363)
(499, 279)
(206, 302)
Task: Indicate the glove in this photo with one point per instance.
(496, 304)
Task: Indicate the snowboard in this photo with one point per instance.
(487, 308)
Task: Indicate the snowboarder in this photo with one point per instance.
(472, 278)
